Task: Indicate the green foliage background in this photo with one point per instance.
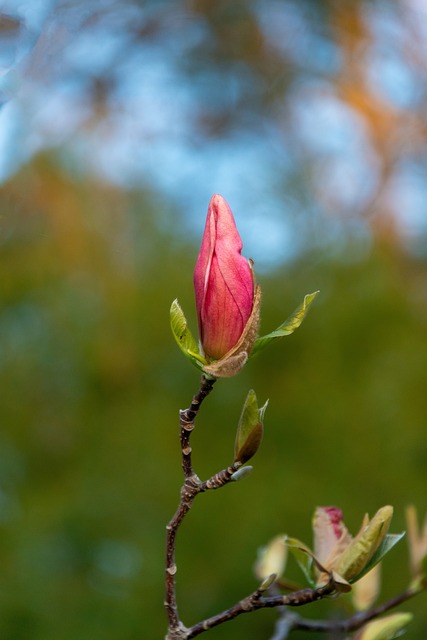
(91, 385)
(91, 379)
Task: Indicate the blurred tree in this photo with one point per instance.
(310, 118)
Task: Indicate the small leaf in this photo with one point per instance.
(390, 540)
(386, 628)
(289, 326)
(250, 429)
(183, 336)
(359, 553)
(304, 557)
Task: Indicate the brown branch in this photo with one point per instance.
(220, 479)
(191, 487)
(187, 419)
(256, 601)
(355, 622)
(362, 618)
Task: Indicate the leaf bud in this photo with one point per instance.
(250, 430)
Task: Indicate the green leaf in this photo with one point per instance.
(386, 628)
(289, 326)
(390, 540)
(304, 557)
(250, 430)
(183, 336)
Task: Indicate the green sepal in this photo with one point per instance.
(289, 326)
(304, 557)
(341, 585)
(183, 336)
(390, 540)
(250, 430)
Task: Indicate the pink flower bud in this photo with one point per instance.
(331, 536)
(223, 282)
(335, 518)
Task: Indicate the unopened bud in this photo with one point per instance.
(331, 536)
(224, 286)
(250, 430)
(234, 360)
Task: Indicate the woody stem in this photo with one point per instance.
(189, 491)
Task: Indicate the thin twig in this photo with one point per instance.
(296, 599)
(189, 491)
(256, 601)
(220, 479)
(359, 619)
(187, 419)
(284, 625)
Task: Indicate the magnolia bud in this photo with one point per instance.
(331, 536)
(223, 282)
